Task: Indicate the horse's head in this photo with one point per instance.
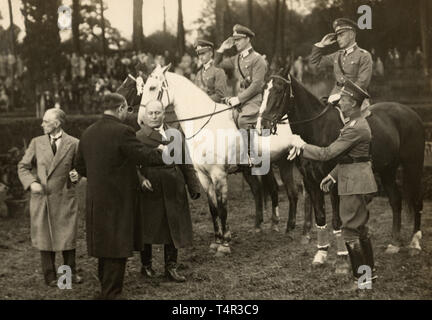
(155, 88)
(277, 95)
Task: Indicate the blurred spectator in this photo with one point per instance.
(297, 68)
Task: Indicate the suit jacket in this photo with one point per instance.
(354, 141)
(54, 212)
(169, 219)
(357, 65)
(107, 155)
(213, 81)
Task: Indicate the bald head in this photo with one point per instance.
(154, 114)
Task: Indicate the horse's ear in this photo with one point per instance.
(166, 68)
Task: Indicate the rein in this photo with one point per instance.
(164, 88)
(274, 122)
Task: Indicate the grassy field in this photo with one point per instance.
(261, 266)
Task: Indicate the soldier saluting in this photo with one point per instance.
(250, 68)
(350, 62)
(210, 79)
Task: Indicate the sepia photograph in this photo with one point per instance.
(219, 157)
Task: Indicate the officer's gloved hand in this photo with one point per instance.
(334, 98)
(233, 101)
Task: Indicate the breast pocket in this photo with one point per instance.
(352, 67)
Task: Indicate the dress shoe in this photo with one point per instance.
(148, 272)
(76, 279)
(171, 274)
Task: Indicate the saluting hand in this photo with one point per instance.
(327, 40)
(227, 44)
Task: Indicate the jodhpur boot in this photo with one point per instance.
(170, 255)
(146, 261)
(366, 245)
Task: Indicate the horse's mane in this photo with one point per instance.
(300, 87)
(198, 93)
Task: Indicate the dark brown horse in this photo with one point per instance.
(398, 139)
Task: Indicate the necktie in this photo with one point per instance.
(53, 144)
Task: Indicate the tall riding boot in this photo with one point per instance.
(170, 256)
(146, 262)
(356, 256)
(366, 245)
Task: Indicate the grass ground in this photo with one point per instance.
(261, 266)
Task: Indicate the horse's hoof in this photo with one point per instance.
(413, 252)
(320, 258)
(275, 228)
(214, 246)
(391, 249)
(342, 266)
(305, 239)
(223, 250)
(258, 230)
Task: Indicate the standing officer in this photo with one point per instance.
(353, 175)
(169, 221)
(108, 153)
(210, 79)
(44, 170)
(250, 69)
(351, 62)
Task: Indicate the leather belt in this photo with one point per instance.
(349, 160)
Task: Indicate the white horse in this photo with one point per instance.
(213, 141)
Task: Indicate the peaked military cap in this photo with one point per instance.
(240, 31)
(354, 91)
(202, 46)
(342, 24)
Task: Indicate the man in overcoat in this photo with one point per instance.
(44, 170)
(108, 153)
(164, 216)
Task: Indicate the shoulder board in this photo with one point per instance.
(352, 123)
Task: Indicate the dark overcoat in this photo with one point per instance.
(164, 215)
(108, 153)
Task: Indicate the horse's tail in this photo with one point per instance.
(412, 161)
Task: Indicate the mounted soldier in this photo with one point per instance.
(209, 78)
(350, 62)
(250, 68)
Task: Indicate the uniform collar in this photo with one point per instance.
(350, 49)
(208, 64)
(246, 52)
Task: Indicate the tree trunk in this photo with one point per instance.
(180, 30)
(11, 30)
(425, 38)
(164, 17)
(138, 34)
(282, 29)
(76, 8)
(250, 14)
(227, 20)
(220, 19)
(103, 28)
(276, 44)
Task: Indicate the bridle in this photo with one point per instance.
(273, 123)
(164, 89)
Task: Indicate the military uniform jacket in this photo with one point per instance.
(253, 67)
(213, 81)
(353, 142)
(356, 65)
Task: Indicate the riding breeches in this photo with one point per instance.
(354, 215)
(248, 115)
